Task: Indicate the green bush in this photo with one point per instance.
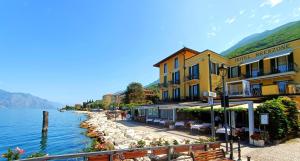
(282, 117)
(292, 114)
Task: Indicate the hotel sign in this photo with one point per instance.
(262, 52)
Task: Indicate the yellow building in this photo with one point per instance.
(184, 75)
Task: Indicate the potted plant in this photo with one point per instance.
(13, 154)
(257, 140)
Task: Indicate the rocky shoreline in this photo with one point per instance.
(121, 136)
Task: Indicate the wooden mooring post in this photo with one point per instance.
(45, 121)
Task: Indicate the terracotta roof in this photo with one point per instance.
(177, 52)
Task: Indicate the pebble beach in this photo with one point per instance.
(120, 135)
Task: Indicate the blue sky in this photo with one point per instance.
(72, 50)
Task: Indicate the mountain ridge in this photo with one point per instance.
(25, 100)
(258, 41)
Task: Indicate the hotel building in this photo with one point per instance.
(269, 72)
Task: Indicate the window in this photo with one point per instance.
(255, 69)
(176, 63)
(194, 91)
(256, 89)
(214, 68)
(176, 77)
(282, 87)
(165, 80)
(194, 72)
(176, 93)
(282, 64)
(153, 112)
(165, 68)
(234, 72)
(165, 95)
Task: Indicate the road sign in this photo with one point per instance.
(210, 100)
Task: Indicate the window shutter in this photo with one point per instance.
(173, 77)
(272, 64)
(248, 73)
(261, 67)
(217, 69)
(239, 71)
(178, 79)
(229, 72)
(190, 91)
(291, 61)
(190, 72)
(198, 93)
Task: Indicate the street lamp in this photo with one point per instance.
(223, 73)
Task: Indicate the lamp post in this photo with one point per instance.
(212, 115)
(223, 73)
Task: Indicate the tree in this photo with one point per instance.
(134, 93)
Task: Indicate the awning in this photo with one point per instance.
(279, 54)
(252, 60)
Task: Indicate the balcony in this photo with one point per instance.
(284, 68)
(174, 82)
(278, 71)
(192, 78)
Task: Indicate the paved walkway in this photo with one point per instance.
(181, 134)
(289, 151)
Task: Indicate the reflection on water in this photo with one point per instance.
(44, 141)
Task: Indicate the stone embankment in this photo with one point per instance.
(121, 136)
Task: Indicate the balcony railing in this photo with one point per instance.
(284, 68)
(174, 82)
(280, 69)
(192, 77)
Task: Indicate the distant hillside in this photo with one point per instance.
(279, 35)
(153, 85)
(23, 100)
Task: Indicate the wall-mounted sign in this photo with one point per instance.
(261, 52)
(264, 119)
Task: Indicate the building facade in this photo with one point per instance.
(184, 75)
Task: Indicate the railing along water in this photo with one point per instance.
(111, 155)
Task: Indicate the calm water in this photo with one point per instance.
(22, 128)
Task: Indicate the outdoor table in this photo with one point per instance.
(156, 121)
(222, 130)
(200, 126)
(149, 120)
(163, 122)
(179, 123)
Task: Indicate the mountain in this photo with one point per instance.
(24, 100)
(258, 41)
(153, 85)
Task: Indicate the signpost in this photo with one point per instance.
(264, 120)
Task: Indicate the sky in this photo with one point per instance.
(69, 51)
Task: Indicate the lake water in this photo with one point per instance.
(22, 128)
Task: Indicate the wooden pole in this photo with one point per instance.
(45, 121)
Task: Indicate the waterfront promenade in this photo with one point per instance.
(288, 151)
